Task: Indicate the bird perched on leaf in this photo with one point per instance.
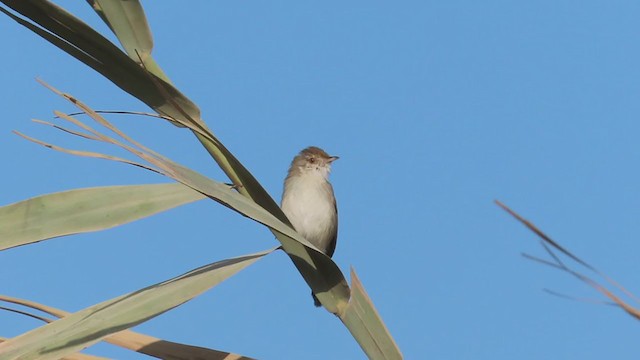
(309, 202)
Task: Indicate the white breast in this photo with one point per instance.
(307, 202)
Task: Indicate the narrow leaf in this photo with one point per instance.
(127, 21)
(85, 210)
(138, 342)
(88, 326)
(77, 356)
(85, 44)
(163, 349)
(542, 235)
(366, 326)
(550, 244)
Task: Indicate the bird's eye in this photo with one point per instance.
(312, 160)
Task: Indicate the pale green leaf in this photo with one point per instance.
(73, 36)
(85, 210)
(79, 356)
(86, 327)
(127, 21)
(366, 326)
(138, 342)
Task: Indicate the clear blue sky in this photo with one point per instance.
(436, 108)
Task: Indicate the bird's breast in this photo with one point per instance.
(309, 204)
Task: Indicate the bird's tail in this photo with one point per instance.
(316, 302)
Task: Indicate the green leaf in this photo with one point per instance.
(127, 21)
(85, 44)
(86, 327)
(85, 210)
(366, 326)
(77, 356)
(128, 339)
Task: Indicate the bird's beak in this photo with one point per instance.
(333, 158)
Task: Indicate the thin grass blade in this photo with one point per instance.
(550, 245)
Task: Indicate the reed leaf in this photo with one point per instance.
(81, 329)
(85, 210)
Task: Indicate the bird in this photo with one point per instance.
(308, 200)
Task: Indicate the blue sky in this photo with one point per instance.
(435, 109)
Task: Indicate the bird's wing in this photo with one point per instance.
(332, 244)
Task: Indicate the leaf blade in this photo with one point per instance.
(88, 326)
(138, 342)
(129, 23)
(85, 210)
(79, 40)
(365, 324)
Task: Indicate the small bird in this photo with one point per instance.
(309, 202)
